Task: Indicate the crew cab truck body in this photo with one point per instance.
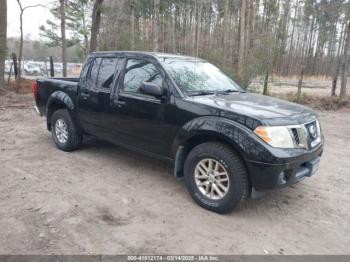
(224, 141)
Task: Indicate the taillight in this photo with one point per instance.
(35, 89)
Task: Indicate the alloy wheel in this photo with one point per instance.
(212, 178)
(61, 131)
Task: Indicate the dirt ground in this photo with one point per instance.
(104, 199)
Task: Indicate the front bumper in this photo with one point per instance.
(268, 176)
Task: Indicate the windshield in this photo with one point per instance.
(194, 77)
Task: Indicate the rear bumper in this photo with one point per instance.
(269, 176)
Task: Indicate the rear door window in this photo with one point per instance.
(106, 73)
(85, 71)
(91, 83)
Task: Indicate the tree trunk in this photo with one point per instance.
(15, 66)
(52, 68)
(173, 32)
(195, 35)
(198, 28)
(156, 26)
(9, 76)
(345, 64)
(248, 28)
(311, 45)
(337, 68)
(332, 43)
(303, 60)
(95, 24)
(225, 33)
(176, 29)
(132, 22)
(86, 37)
(184, 28)
(20, 51)
(291, 48)
(63, 36)
(300, 83)
(241, 51)
(3, 40)
(266, 82)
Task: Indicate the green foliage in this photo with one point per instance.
(78, 25)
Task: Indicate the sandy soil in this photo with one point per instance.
(105, 199)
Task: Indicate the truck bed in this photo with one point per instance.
(48, 86)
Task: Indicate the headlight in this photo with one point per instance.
(275, 136)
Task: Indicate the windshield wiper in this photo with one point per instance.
(201, 93)
(214, 92)
(229, 91)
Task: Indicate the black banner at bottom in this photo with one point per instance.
(230, 258)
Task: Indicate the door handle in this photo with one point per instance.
(120, 103)
(85, 95)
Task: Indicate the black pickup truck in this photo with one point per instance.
(224, 141)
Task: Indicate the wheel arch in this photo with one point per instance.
(58, 100)
(209, 129)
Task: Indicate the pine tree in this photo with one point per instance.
(3, 39)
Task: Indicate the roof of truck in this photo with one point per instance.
(144, 54)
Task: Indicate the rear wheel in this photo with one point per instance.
(64, 131)
(215, 177)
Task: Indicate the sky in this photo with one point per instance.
(32, 18)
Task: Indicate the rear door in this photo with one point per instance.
(94, 94)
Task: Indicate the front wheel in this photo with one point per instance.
(64, 131)
(215, 177)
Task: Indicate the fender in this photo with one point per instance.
(60, 97)
(56, 100)
(235, 134)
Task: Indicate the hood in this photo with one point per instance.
(267, 109)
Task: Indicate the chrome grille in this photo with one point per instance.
(307, 135)
(295, 136)
(312, 130)
(314, 133)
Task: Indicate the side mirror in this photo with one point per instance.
(151, 89)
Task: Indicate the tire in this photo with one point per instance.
(73, 138)
(226, 161)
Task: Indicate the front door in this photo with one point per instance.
(138, 120)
